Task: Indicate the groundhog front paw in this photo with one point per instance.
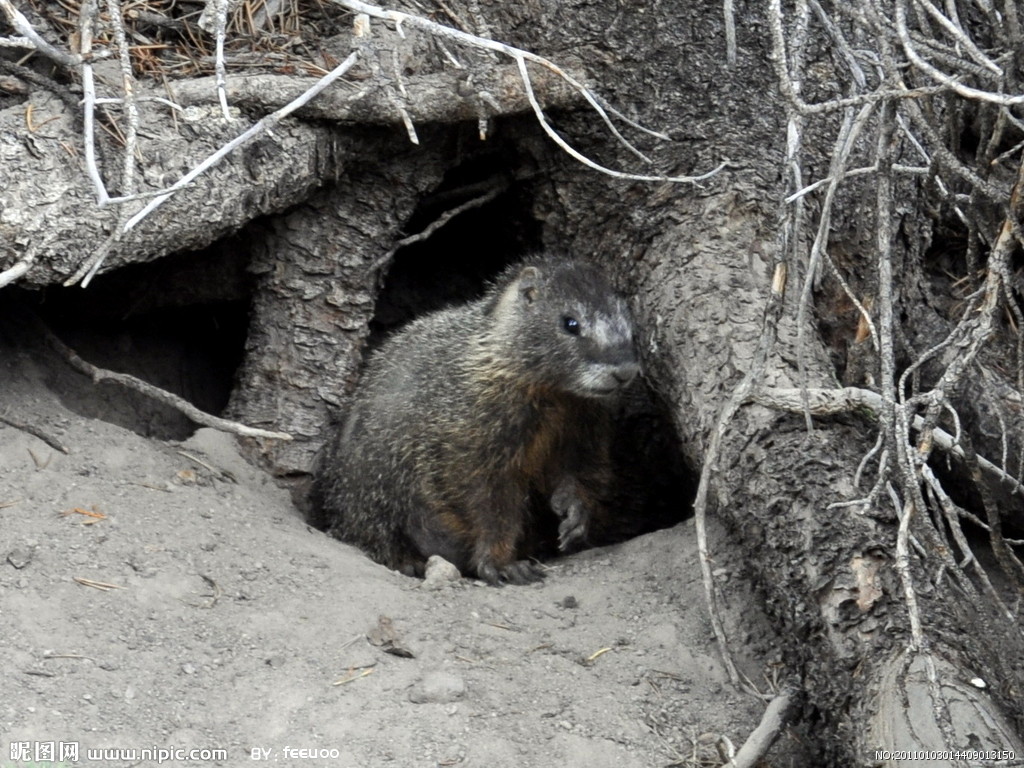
(519, 572)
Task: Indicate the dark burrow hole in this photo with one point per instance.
(178, 323)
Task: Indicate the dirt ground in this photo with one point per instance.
(168, 596)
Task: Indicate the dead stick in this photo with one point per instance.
(775, 717)
(160, 395)
(36, 432)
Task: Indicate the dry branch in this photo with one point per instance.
(432, 98)
(35, 431)
(160, 395)
(828, 402)
(776, 715)
(27, 31)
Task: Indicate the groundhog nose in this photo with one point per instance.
(626, 373)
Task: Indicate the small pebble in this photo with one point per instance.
(19, 558)
(437, 688)
(440, 573)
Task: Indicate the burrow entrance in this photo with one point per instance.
(178, 323)
(181, 323)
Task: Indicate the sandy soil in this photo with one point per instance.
(227, 623)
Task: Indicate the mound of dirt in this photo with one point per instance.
(168, 596)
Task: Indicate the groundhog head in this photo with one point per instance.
(567, 326)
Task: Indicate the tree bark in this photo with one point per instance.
(701, 262)
(895, 641)
(318, 269)
(48, 212)
(49, 220)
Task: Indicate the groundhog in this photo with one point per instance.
(478, 427)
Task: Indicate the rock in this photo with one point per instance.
(437, 688)
(439, 573)
(19, 558)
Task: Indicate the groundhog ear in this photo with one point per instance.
(529, 283)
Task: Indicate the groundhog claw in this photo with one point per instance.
(572, 529)
(566, 503)
(519, 572)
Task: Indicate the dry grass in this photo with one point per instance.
(166, 41)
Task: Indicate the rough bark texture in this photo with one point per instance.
(699, 261)
(317, 270)
(48, 211)
(701, 282)
(48, 208)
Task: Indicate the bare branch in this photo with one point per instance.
(729, 13)
(776, 716)
(160, 395)
(827, 402)
(521, 57)
(264, 125)
(130, 107)
(439, 222)
(35, 432)
(25, 29)
(221, 13)
(17, 271)
(86, 22)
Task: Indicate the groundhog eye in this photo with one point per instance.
(571, 325)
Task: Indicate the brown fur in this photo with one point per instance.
(481, 431)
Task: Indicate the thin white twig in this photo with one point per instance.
(439, 222)
(220, 70)
(879, 441)
(521, 56)
(629, 121)
(130, 106)
(905, 513)
(913, 170)
(407, 122)
(24, 27)
(11, 274)
(87, 18)
(729, 12)
(16, 42)
(521, 61)
(139, 99)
